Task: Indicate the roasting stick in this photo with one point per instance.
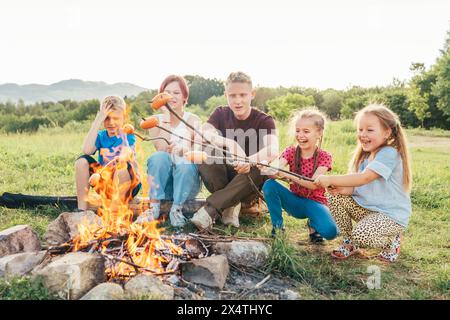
(200, 156)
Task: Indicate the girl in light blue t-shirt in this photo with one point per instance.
(376, 192)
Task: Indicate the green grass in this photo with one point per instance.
(23, 288)
(42, 164)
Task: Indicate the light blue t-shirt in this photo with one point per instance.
(385, 194)
(110, 147)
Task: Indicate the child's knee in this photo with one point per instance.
(334, 201)
(124, 180)
(269, 187)
(81, 164)
(330, 232)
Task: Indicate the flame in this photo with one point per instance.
(141, 244)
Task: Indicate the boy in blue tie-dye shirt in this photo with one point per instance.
(116, 154)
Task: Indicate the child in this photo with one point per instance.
(376, 191)
(111, 143)
(304, 199)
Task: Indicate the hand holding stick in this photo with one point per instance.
(200, 156)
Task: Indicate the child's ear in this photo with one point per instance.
(389, 133)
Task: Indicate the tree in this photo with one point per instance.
(331, 103)
(352, 105)
(200, 89)
(213, 102)
(263, 94)
(418, 103)
(441, 88)
(282, 107)
(398, 100)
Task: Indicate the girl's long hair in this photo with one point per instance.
(397, 139)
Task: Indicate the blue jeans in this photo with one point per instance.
(279, 197)
(173, 178)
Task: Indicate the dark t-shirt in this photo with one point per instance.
(248, 133)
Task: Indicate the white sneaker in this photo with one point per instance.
(202, 219)
(230, 216)
(177, 219)
(146, 216)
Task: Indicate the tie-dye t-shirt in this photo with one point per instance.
(307, 166)
(110, 147)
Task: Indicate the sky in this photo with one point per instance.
(317, 43)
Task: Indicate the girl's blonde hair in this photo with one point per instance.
(314, 113)
(397, 139)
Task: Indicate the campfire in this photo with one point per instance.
(129, 248)
(87, 249)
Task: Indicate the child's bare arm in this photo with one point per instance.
(89, 141)
(347, 180)
(308, 184)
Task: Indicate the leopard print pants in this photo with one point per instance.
(372, 229)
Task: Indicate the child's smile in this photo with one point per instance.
(371, 134)
(307, 134)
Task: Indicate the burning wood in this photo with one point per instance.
(129, 248)
(142, 250)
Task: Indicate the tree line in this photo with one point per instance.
(422, 101)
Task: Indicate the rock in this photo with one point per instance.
(244, 253)
(64, 228)
(73, 274)
(105, 291)
(289, 295)
(20, 264)
(18, 239)
(210, 271)
(148, 286)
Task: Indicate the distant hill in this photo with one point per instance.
(72, 89)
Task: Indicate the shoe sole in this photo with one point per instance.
(352, 253)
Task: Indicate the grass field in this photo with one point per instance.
(42, 164)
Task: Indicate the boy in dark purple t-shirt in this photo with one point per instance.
(242, 130)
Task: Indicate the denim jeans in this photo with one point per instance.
(279, 197)
(173, 178)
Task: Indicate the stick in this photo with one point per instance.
(219, 238)
(262, 282)
(256, 287)
(108, 256)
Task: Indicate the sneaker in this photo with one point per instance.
(202, 219)
(150, 214)
(146, 216)
(177, 219)
(156, 209)
(230, 216)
